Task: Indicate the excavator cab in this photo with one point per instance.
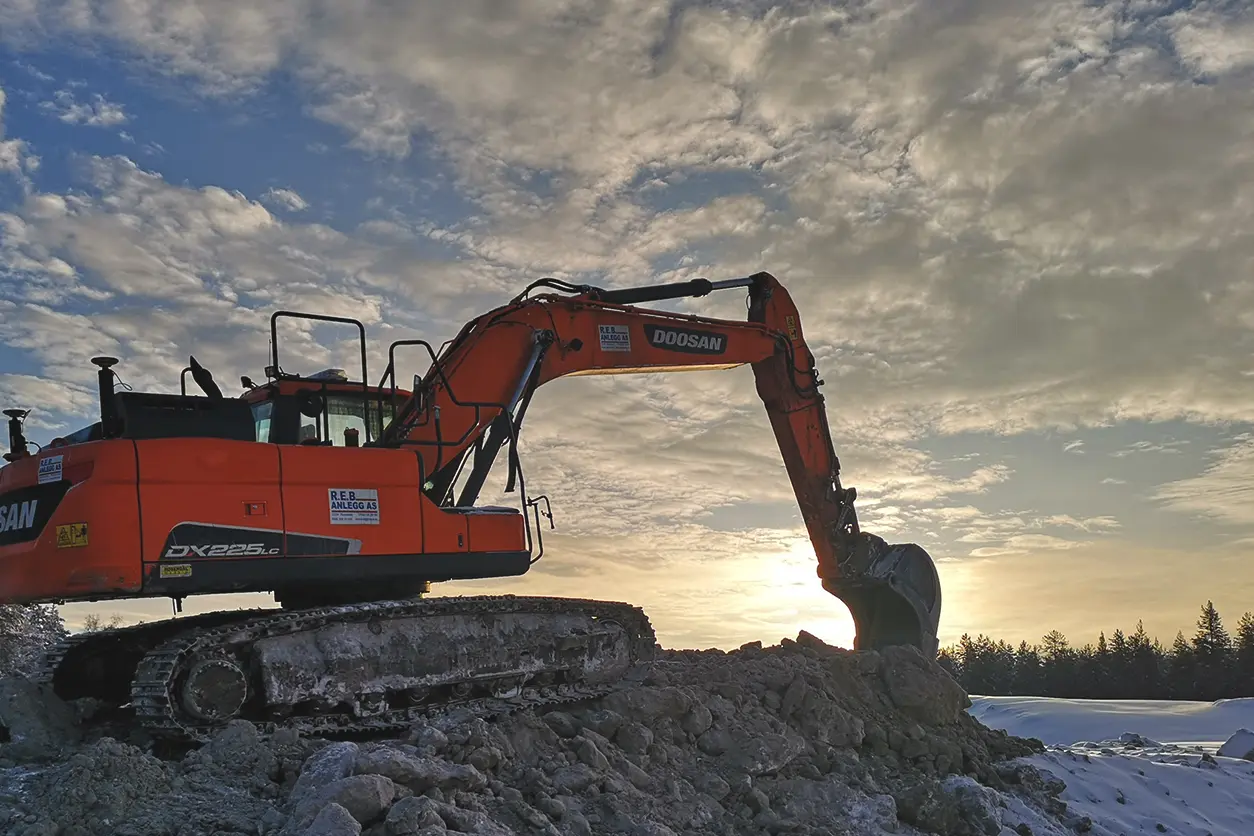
(323, 409)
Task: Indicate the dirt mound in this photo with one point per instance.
(798, 738)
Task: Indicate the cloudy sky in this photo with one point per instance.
(1021, 236)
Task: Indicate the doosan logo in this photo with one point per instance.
(19, 515)
(686, 340)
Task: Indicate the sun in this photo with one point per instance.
(784, 595)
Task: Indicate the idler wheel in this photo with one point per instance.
(215, 690)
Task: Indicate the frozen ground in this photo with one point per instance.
(798, 738)
(1141, 766)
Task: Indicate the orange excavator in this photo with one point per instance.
(348, 500)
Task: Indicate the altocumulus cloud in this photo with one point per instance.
(1002, 221)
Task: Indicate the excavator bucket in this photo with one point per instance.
(894, 596)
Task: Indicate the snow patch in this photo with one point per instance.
(1138, 766)
(1240, 745)
(1205, 725)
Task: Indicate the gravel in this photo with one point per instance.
(797, 738)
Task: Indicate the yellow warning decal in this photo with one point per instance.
(175, 570)
(791, 323)
(71, 535)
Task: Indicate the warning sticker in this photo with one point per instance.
(354, 506)
(175, 570)
(72, 536)
(615, 338)
(49, 469)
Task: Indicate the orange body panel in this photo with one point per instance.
(494, 530)
(126, 524)
(447, 532)
(311, 473)
(90, 546)
(206, 480)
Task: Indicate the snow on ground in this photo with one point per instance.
(1140, 766)
(1204, 724)
(1154, 790)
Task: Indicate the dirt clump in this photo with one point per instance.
(799, 738)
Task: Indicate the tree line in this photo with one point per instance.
(1212, 664)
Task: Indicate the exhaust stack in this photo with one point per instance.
(108, 408)
(17, 441)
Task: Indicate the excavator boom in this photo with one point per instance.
(472, 399)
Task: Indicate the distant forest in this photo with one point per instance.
(1212, 664)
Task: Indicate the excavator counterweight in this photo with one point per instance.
(348, 500)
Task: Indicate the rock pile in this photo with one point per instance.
(799, 738)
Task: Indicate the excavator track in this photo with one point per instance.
(369, 668)
(100, 664)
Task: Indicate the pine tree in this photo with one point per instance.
(1182, 670)
(1243, 662)
(1097, 670)
(966, 656)
(1212, 649)
(1119, 665)
(1004, 669)
(946, 658)
(1029, 678)
(1059, 665)
(1147, 665)
(985, 669)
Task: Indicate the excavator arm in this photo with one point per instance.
(473, 398)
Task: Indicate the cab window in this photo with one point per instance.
(346, 412)
(261, 419)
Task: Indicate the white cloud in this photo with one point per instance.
(1020, 533)
(1212, 42)
(1026, 544)
(995, 217)
(1088, 524)
(1224, 491)
(951, 213)
(45, 398)
(167, 270)
(285, 198)
(15, 157)
(1166, 447)
(100, 112)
